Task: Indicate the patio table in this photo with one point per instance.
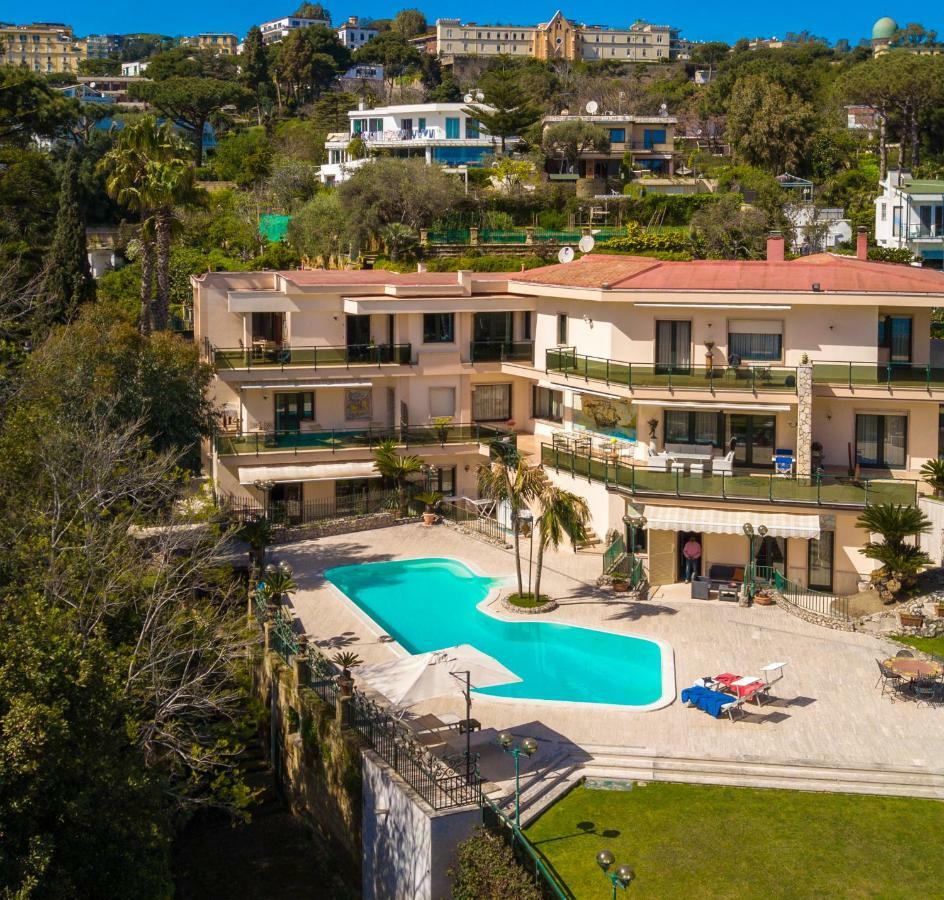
(914, 668)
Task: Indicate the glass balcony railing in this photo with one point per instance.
(334, 439)
(753, 378)
(501, 351)
(287, 356)
(761, 487)
(879, 375)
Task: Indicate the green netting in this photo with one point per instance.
(274, 228)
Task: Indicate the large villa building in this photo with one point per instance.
(714, 398)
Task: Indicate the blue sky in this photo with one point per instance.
(697, 19)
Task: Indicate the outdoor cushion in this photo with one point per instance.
(707, 700)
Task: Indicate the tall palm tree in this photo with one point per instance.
(148, 172)
(513, 482)
(397, 468)
(563, 513)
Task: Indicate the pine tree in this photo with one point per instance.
(68, 281)
(507, 111)
(255, 63)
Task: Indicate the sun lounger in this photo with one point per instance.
(707, 700)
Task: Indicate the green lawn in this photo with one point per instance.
(932, 645)
(694, 841)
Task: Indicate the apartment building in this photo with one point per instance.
(41, 47)
(276, 30)
(354, 33)
(700, 396)
(219, 43)
(909, 214)
(558, 38)
(103, 46)
(441, 133)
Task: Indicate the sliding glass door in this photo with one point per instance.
(754, 438)
(673, 347)
(881, 441)
(820, 562)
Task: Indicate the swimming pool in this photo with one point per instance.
(427, 604)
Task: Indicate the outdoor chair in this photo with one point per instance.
(927, 691)
(904, 654)
(723, 465)
(890, 681)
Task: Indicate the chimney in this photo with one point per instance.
(862, 242)
(775, 247)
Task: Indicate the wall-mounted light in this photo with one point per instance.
(587, 320)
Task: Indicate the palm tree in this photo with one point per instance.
(900, 562)
(258, 534)
(933, 474)
(148, 172)
(513, 482)
(397, 468)
(563, 513)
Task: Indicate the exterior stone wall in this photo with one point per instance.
(804, 431)
(812, 617)
(341, 526)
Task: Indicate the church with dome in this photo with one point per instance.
(883, 33)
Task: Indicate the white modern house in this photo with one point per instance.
(354, 33)
(134, 69)
(276, 30)
(909, 213)
(816, 229)
(441, 133)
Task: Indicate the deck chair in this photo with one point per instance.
(890, 681)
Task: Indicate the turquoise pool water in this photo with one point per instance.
(427, 604)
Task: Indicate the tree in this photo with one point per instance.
(410, 23)
(188, 62)
(766, 126)
(308, 61)
(398, 469)
(30, 108)
(97, 66)
(932, 473)
(726, 230)
(900, 562)
(312, 11)
(68, 283)
(508, 112)
(512, 484)
(566, 141)
(486, 868)
(254, 68)
(710, 54)
(244, 157)
(391, 50)
(914, 35)
(397, 238)
(191, 101)
(317, 231)
(562, 513)
(330, 112)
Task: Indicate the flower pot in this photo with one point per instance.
(429, 518)
(939, 610)
(763, 599)
(910, 620)
(620, 587)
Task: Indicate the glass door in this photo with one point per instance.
(772, 554)
(673, 347)
(754, 438)
(820, 562)
(358, 338)
(293, 409)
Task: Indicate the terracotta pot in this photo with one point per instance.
(939, 610)
(621, 587)
(429, 518)
(763, 600)
(910, 620)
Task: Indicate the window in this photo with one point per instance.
(896, 221)
(617, 135)
(442, 402)
(526, 325)
(562, 328)
(491, 403)
(894, 335)
(360, 126)
(705, 428)
(439, 328)
(881, 441)
(884, 211)
(755, 340)
(471, 128)
(452, 129)
(653, 136)
(820, 562)
(444, 480)
(421, 124)
(547, 404)
(376, 125)
(291, 409)
(673, 346)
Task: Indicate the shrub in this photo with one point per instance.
(639, 241)
(486, 870)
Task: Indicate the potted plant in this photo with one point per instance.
(441, 424)
(278, 581)
(653, 425)
(709, 356)
(932, 473)
(763, 597)
(430, 500)
(347, 661)
(910, 619)
(620, 584)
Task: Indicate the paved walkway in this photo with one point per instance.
(830, 712)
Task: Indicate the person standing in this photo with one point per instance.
(692, 553)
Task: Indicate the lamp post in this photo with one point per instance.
(528, 747)
(266, 487)
(632, 523)
(761, 533)
(621, 877)
(527, 517)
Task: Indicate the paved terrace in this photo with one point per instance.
(832, 713)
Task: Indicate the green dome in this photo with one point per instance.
(884, 28)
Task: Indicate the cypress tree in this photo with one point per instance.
(68, 280)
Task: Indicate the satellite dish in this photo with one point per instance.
(592, 107)
(566, 254)
(467, 98)
(586, 244)
(479, 96)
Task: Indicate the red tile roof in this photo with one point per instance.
(831, 272)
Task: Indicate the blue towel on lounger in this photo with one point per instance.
(712, 702)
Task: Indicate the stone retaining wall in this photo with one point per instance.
(809, 616)
(331, 527)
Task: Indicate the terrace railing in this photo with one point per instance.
(485, 526)
(501, 351)
(334, 439)
(755, 378)
(817, 490)
(802, 598)
(286, 356)
(613, 554)
(879, 375)
(307, 512)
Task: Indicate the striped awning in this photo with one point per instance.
(730, 521)
(315, 472)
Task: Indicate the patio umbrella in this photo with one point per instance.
(439, 673)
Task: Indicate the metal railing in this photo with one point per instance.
(807, 599)
(753, 378)
(334, 439)
(816, 490)
(497, 236)
(500, 351)
(879, 375)
(925, 231)
(285, 355)
(305, 512)
(482, 525)
(613, 553)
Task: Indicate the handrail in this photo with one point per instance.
(499, 351)
(720, 377)
(311, 357)
(879, 375)
(821, 603)
(613, 553)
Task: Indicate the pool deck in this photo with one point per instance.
(830, 712)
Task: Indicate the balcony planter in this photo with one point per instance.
(910, 620)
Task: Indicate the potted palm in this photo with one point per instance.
(430, 500)
(932, 472)
(278, 582)
(347, 660)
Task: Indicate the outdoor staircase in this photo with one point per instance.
(629, 765)
(591, 543)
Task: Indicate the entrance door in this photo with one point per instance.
(683, 538)
(292, 409)
(673, 347)
(286, 502)
(358, 337)
(754, 436)
(771, 553)
(663, 566)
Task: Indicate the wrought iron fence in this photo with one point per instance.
(299, 512)
(472, 521)
(822, 603)
(613, 553)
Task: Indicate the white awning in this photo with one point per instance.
(315, 472)
(726, 521)
(734, 407)
(303, 385)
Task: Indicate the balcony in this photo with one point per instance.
(760, 487)
(286, 357)
(930, 232)
(635, 376)
(334, 439)
(883, 376)
(501, 351)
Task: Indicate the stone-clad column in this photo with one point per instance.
(804, 429)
